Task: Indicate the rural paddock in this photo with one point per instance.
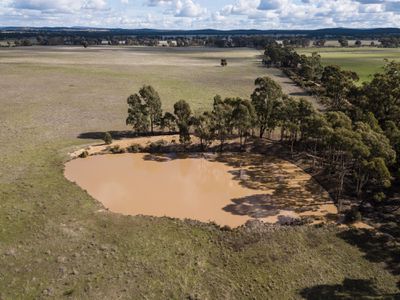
(56, 241)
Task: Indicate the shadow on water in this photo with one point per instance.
(261, 173)
(349, 289)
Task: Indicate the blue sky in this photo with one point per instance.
(196, 14)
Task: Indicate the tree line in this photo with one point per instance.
(358, 137)
(356, 141)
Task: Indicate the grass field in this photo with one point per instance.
(365, 61)
(56, 241)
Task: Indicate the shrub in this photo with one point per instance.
(84, 154)
(134, 148)
(157, 146)
(117, 149)
(379, 197)
(107, 138)
(353, 215)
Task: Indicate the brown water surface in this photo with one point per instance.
(228, 189)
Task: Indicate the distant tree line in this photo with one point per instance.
(258, 41)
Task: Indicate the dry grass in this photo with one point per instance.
(54, 241)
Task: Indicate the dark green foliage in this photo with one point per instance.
(169, 122)
(107, 138)
(266, 100)
(157, 146)
(311, 67)
(204, 128)
(84, 154)
(222, 114)
(152, 103)
(134, 148)
(338, 84)
(117, 149)
(137, 114)
(183, 113)
(353, 215)
(144, 110)
(343, 42)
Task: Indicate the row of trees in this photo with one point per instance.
(356, 152)
(368, 140)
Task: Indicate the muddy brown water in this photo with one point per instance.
(203, 187)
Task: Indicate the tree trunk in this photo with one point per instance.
(262, 131)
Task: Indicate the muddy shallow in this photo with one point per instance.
(227, 189)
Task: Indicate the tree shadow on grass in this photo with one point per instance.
(378, 248)
(117, 134)
(349, 289)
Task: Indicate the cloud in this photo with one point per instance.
(158, 2)
(61, 6)
(261, 14)
(188, 8)
(269, 4)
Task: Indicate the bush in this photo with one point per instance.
(117, 150)
(134, 148)
(353, 215)
(107, 138)
(84, 154)
(157, 146)
(379, 197)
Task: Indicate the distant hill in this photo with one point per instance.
(318, 33)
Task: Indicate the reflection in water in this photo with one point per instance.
(204, 187)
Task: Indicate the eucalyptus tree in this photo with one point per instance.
(311, 67)
(373, 167)
(383, 94)
(266, 99)
(144, 109)
(243, 116)
(152, 103)
(183, 114)
(222, 115)
(137, 114)
(338, 85)
(168, 121)
(204, 129)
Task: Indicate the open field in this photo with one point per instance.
(365, 61)
(56, 241)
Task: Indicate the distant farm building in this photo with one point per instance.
(104, 42)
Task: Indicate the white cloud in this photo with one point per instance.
(262, 14)
(188, 8)
(63, 6)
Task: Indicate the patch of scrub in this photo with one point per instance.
(227, 189)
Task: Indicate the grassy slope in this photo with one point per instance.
(55, 240)
(364, 61)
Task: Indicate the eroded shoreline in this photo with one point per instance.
(269, 189)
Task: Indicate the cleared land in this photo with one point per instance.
(56, 241)
(365, 61)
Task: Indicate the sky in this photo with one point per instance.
(198, 14)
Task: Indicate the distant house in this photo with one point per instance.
(173, 43)
(122, 42)
(163, 43)
(104, 42)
